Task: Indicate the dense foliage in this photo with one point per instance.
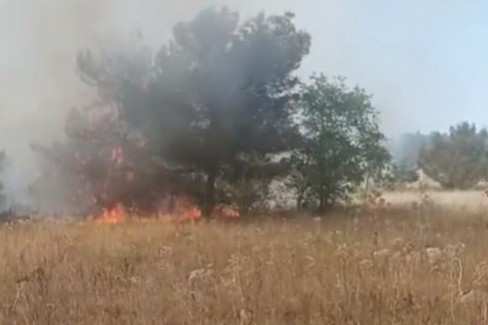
(458, 159)
(216, 110)
(341, 142)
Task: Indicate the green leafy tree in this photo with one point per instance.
(215, 99)
(458, 159)
(342, 143)
(397, 175)
(403, 173)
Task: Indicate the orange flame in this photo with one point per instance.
(187, 213)
(112, 216)
(117, 156)
(190, 211)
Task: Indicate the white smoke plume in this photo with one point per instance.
(40, 40)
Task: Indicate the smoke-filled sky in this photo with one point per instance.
(424, 61)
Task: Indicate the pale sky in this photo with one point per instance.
(424, 61)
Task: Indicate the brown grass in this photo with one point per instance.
(467, 201)
(396, 268)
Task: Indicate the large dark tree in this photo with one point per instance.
(458, 159)
(215, 100)
(215, 108)
(342, 143)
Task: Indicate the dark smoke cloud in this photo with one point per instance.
(40, 40)
(37, 59)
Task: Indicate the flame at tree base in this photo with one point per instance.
(187, 213)
(112, 216)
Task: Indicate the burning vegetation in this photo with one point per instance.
(112, 216)
(195, 129)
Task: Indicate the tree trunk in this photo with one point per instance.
(322, 204)
(323, 198)
(366, 188)
(209, 203)
(300, 202)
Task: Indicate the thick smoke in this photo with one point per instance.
(40, 41)
(38, 60)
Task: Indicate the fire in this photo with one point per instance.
(114, 215)
(226, 211)
(186, 212)
(117, 156)
(190, 211)
(193, 213)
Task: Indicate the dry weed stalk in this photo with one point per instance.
(389, 269)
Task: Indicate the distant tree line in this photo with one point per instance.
(457, 159)
(216, 114)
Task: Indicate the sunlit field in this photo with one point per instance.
(471, 201)
(421, 265)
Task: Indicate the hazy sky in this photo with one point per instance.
(424, 61)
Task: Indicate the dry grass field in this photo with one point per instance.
(467, 201)
(397, 266)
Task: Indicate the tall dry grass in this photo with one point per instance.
(467, 201)
(395, 267)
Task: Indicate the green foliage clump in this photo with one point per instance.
(341, 143)
(457, 159)
(220, 114)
